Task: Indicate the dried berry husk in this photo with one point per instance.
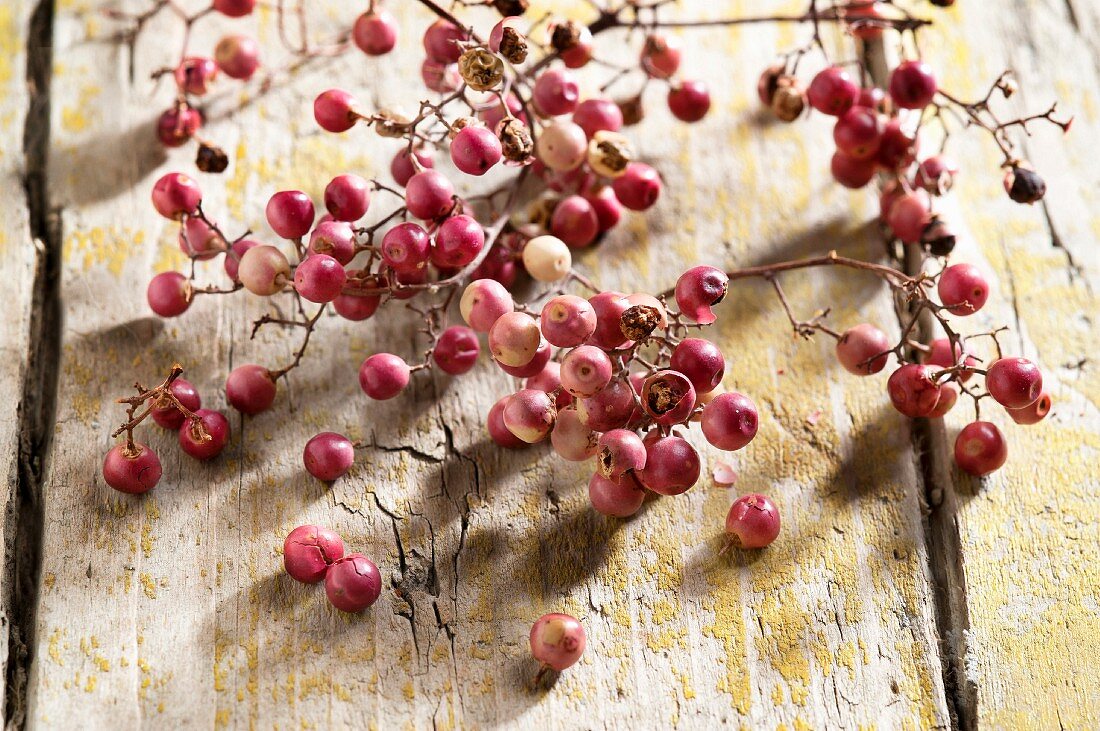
(609, 153)
(459, 124)
(1024, 185)
(390, 124)
(789, 101)
(938, 237)
(511, 7)
(662, 398)
(769, 82)
(565, 35)
(667, 395)
(515, 140)
(211, 159)
(481, 69)
(513, 46)
(541, 210)
(633, 110)
(639, 321)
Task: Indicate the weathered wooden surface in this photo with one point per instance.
(172, 609)
(18, 254)
(1027, 532)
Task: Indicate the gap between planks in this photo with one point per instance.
(941, 529)
(39, 389)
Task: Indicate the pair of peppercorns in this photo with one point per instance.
(312, 554)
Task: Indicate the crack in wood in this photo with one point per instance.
(39, 388)
(942, 539)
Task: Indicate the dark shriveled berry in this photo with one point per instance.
(1024, 185)
(938, 237)
(211, 159)
(632, 110)
(566, 36)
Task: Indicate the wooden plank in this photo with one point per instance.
(173, 608)
(1025, 532)
(18, 259)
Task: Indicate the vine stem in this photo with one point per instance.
(830, 259)
(895, 277)
(155, 397)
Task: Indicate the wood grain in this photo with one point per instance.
(173, 610)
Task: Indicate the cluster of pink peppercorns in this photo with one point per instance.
(312, 554)
(603, 399)
(582, 155)
(625, 380)
(133, 467)
(598, 395)
(877, 132)
(574, 145)
(932, 387)
(235, 55)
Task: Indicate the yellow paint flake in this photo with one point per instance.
(79, 116)
(148, 585)
(152, 513)
(10, 49)
(111, 247)
(55, 647)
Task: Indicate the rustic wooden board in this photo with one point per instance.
(18, 258)
(173, 609)
(1027, 532)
